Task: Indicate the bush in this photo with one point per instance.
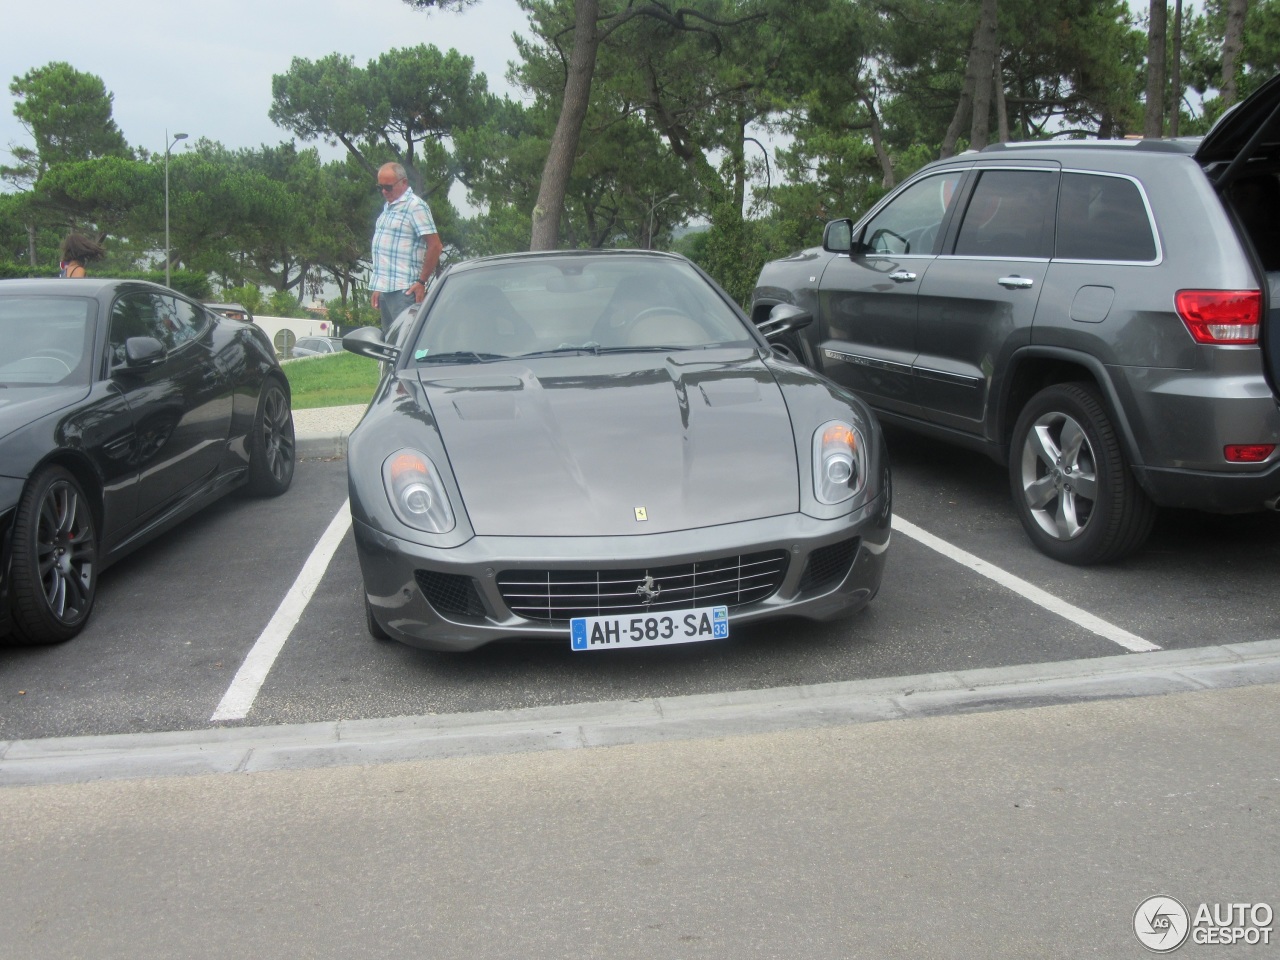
(248, 296)
(189, 282)
(282, 303)
(353, 313)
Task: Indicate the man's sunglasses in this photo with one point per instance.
(384, 187)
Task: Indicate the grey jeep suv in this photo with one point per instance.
(1096, 314)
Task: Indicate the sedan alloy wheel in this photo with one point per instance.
(54, 559)
(271, 445)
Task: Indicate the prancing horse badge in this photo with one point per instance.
(641, 514)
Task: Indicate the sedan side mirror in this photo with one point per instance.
(838, 236)
(368, 342)
(782, 319)
(140, 353)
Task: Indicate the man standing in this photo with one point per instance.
(406, 247)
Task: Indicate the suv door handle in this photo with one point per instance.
(1016, 283)
(902, 276)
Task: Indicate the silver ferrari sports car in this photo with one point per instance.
(599, 448)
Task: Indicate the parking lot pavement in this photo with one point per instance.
(176, 623)
(745, 799)
(1009, 834)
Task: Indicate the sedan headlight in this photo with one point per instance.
(416, 493)
(839, 461)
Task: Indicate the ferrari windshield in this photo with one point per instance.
(46, 340)
(574, 304)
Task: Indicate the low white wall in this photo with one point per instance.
(297, 326)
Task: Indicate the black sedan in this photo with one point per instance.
(124, 408)
(599, 448)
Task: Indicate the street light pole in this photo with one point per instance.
(168, 146)
(652, 207)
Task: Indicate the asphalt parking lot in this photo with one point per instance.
(964, 589)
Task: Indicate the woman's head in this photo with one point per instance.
(76, 246)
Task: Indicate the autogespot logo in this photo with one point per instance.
(1162, 924)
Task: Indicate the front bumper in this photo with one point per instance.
(390, 567)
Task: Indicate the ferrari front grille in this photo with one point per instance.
(828, 565)
(450, 593)
(557, 596)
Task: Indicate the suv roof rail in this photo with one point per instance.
(1180, 145)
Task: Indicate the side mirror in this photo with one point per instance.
(782, 319)
(368, 342)
(837, 237)
(140, 353)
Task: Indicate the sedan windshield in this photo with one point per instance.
(576, 305)
(47, 340)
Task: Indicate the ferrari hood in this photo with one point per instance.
(636, 444)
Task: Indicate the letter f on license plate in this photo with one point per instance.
(650, 629)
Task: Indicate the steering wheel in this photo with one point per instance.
(64, 357)
(924, 242)
(659, 311)
(877, 238)
(506, 334)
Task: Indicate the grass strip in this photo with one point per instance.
(334, 380)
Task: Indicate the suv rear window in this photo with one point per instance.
(1103, 218)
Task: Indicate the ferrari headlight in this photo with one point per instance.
(839, 461)
(416, 493)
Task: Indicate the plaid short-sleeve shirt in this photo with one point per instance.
(399, 242)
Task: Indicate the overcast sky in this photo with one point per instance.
(205, 69)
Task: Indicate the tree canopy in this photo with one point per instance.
(757, 120)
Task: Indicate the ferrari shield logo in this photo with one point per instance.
(641, 514)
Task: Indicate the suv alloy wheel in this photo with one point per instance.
(1074, 492)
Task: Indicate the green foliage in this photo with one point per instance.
(68, 115)
(1203, 57)
(282, 303)
(19, 271)
(116, 194)
(408, 101)
(733, 252)
(193, 285)
(248, 295)
(861, 93)
(354, 313)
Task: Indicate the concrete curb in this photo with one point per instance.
(321, 447)
(321, 433)
(613, 723)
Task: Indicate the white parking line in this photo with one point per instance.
(1083, 618)
(238, 700)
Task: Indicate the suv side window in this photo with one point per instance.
(909, 224)
(1010, 215)
(1103, 218)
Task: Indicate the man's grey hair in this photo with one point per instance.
(397, 169)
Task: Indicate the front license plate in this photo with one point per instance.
(650, 629)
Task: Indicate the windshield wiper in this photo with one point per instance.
(590, 347)
(460, 356)
(663, 348)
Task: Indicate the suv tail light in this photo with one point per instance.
(1220, 316)
(1248, 452)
